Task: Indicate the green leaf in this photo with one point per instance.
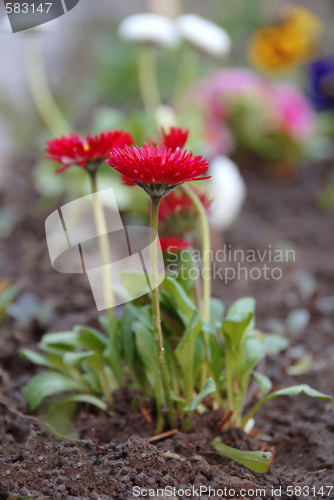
(252, 352)
(199, 355)
(185, 353)
(134, 282)
(113, 355)
(242, 308)
(217, 356)
(128, 346)
(299, 389)
(217, 310)
(35, 357)
(59, 418)
(234, 329)
(105, 324)
(91, 339)
(74, 359)
(70, 339)
(257, 461)
(173, 367)
(85, 398)
(144, 316)
(147, 350)
(182, 303)
(46, 384)
(127, 335)
(208, 388)
(257, 345)
(177, 398)
(294, 390)
(297, 321)
(52, 362)
(92, 380)
(6, 298)
(263, 382)
(273, 344)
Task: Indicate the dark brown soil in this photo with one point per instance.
(112, 454)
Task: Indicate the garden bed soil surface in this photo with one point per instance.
(111, 455)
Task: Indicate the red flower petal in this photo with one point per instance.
(176, 139)
(174, 244)
(74, 150)
(158, 165)
(177, 203)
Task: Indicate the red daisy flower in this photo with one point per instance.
(75, 150)
(177, 203)
(174, 244)
(157, 169)
(176, 139)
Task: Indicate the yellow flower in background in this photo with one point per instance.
(290, 42)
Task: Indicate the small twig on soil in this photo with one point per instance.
(144, 411)
(163, 435)
(94, 440)
(221, 424)
(307, 473)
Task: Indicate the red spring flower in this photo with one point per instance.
(74, 150)
(177, 203)
(157, 169)
(174, 244)
(176, 139)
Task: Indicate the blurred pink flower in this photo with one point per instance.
(219, 138)
(241, 94)
(294, 112)
(236, 81)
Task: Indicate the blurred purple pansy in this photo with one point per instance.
(321, 86)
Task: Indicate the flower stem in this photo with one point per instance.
(155, 202)
(169, 9)
(187, 422)
(40, 89)
(206, 271)
(229, 386)
(102, 230)
(104, 386)
(148, 80)
(206, 249)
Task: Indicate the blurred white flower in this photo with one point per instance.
(205, 35)
(149, 28)
(165, 116)
(228, 190)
